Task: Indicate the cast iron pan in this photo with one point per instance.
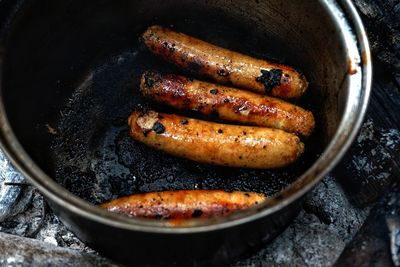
(88, 149)
(95, 158)
(71, 79)
(91, 153)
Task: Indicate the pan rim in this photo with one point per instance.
(343, 138)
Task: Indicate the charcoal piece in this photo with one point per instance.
(378, 241)
(26, 252)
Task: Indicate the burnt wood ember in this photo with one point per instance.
(318, 235)
(380, 231)
(373, 160)
(325, 226)
(381, 19)
(12, 186)
(18, 251)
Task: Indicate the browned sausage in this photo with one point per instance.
(223, 65)
(226, 102)
(215, 143)
(183, 204)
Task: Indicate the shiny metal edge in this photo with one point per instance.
(333, 153)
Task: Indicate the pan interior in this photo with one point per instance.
(72, 70)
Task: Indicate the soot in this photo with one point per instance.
(96, 159)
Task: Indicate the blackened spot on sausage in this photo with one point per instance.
(194, 66)
(244, 132)
(197, 213)
(226, 100)
(158, 127)
(247, 194)
(264, 147)
(214, 91)
(214, 113)
(184, 121)
(240, 157)
(148, 80)
(145, 132)
(186, 102)
(286, 75)
(270, 79)
(220, 131)
(223, 72)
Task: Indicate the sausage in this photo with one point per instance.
(223, 65)
(183, 204)
(225, 102)
(215, 143)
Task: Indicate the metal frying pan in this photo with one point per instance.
(70, 79)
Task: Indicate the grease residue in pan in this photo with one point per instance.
(97, 160)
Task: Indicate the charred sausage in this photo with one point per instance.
(227, 103)
(183, 204)
(215, 143)
(223, 65)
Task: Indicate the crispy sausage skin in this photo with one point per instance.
(223, 65)
(215, 143)
(225, 102)
(183, 204)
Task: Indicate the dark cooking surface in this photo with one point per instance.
(92, 155)
(96, 159)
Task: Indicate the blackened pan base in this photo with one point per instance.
(95, 158)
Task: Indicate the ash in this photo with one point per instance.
(317, 237)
